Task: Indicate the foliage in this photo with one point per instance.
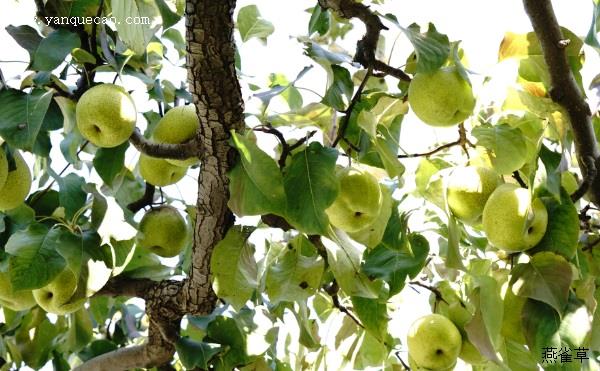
(296, 292)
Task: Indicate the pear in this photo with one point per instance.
(159, 172)
(63, 295)
(17, 185)
(434, 342)
(372, 234)
(163, 231)
(442, 98)
(106, 115)
(179, 125)
(468, 190)
(512, 220)
(14, 300)
(358, 203)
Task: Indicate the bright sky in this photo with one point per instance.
(479, 24)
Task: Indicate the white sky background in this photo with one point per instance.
(480, 24)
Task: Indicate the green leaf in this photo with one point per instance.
(432, 48)
(53, 50)
(22, 116)
(34, 261)
(99, 206)
(541, 324)
(344, 258)
(506, 143)
(592, 36)
(427, 167)
(256, 184)
(373, 315)
(233, 267)
(313, 114)
(109, 162)
(251, 24)
(294, 277)
(193, 354)
(26, 36)
(69, 246)
(80, 331)
(547, 278)
(41, 345)
(393, 266)
(562, 231)
(169, 18)
(341, 86)
(135, 36)
(225, 331)
(71, 195)
(311, 186)
(319, 21)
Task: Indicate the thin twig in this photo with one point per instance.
(146, 200)
(355, 99)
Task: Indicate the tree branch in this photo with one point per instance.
(146, 200)
(365, 47)
(564, 91)
(121, 359)
(125, 286)
(179, 151)
(355, 99)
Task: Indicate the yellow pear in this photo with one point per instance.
(434, 342)
(442, 98)
(163, 231)
(159, 172)
(179, 125)
(63, 295)
(106, 115)
(17, 185)
(14, 300)
(358, 203)
(513, 220)
(468, 190)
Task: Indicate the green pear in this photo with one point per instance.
(14, 300)
(372, 234)
(106, 115)
(63, 295)
(159, 172)
(505, 166)
(179, 125)
(358, 203)
(512, 220)
(17, 185)
(434, 342)
(468, 190)
(3, 167)
(442, 98)
(163, 231)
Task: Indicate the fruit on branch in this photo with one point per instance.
(468, 190)
(434, 342)
(17, 185)
(14, 300)
(442, 98)
(106, 115)
(159, 172)
(179, 125)
(163, 231)
(358, 203)
(513, 220)
(63, 295)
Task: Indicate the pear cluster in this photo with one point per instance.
(512, 218)
(179, 125)
(15, 183)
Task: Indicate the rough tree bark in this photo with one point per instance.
(217, 96)
(564, 91)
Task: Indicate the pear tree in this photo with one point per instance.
(378, 199)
